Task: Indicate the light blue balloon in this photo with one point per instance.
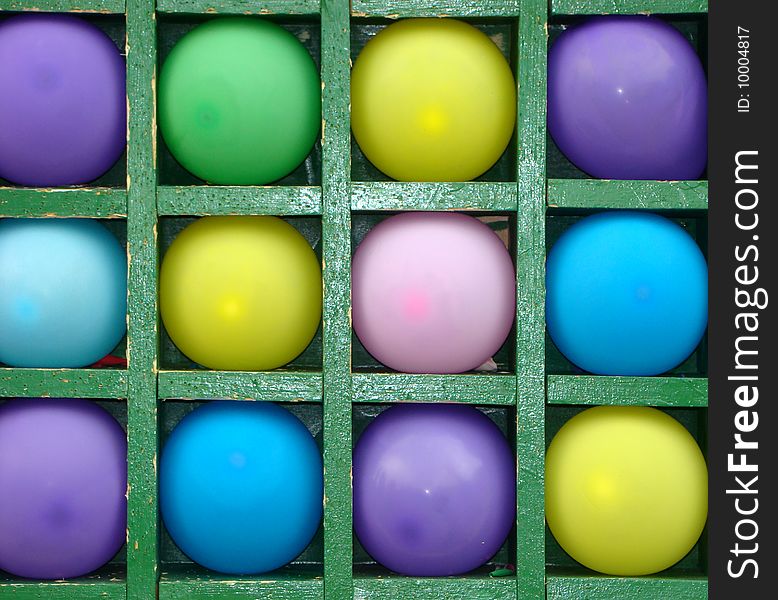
(63, 292)
(626, 294)
(241, 486)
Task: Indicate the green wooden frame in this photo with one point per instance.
(527, 392)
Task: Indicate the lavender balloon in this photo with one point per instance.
(63, 480)
(63, 105)
(627, 99)
(434, 489)
(432, 292)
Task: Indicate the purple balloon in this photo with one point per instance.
(627, 99)
(63, 109)
(63, 480)
(434, 489)
(432, 292)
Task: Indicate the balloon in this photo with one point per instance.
(63, 480)
(626, 294)
(63, 108)
(64, 292)
(434, 489)
(432, 292)
(627, 99)
(241, 486)
(432, 100)
(240, 293)
(239, 101)
(626, 490)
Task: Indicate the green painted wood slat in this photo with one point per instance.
(599, 587)
(204, 200)
(628, 391)
(468, 196)
(599, 194)
(403, 387)
(530, 319)
(63, 383)
(627, 7)
(240, 7)
(272, 386)
(63, 590)
(143, 329)
(395, 9)
(73, 6)
(430, 588)
(98, 203)
(336, 322)
(182, 582)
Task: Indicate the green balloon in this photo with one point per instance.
(239, 101)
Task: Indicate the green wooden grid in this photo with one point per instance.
(240, 7)
(627, 7)
(74, 6)
(524, 392)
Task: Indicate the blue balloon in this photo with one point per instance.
(626, 294)
(63, 292)
(241, 486)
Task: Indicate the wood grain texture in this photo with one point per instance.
(189, 582)
(63, 383)
(336, 321)
(628, 391)
(143, 329)
(271, 386)
(74, 6)
(99, 203)
(431, 588)
(201, 200)
(240, 7)
(468, 196)
(627, 7)
(599, 587)
(396, 9)
(402, 387)
(83, 589)
(602, 194)
(530, 318)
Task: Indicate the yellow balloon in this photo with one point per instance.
(626, 490)
(240, 293)
(432, 100)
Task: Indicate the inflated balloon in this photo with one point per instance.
(241, 486)
(432, 292)
(63, 480)
(64, 292)
(63, 109)
(434, 489)
(626, 294)
(432, 100)
(627, 99)
(240, 293)
(626, 490)
(239, 101)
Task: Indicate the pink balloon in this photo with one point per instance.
(432, 292)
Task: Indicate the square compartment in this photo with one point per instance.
(694, 564)
(693, 27)
(364, 565)
(696, 365)
(308, 564)
(171, 28)
(114, 27)
(118, 227)
(503, 32)
(115, 570)
(503, 224)
(171, 358)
